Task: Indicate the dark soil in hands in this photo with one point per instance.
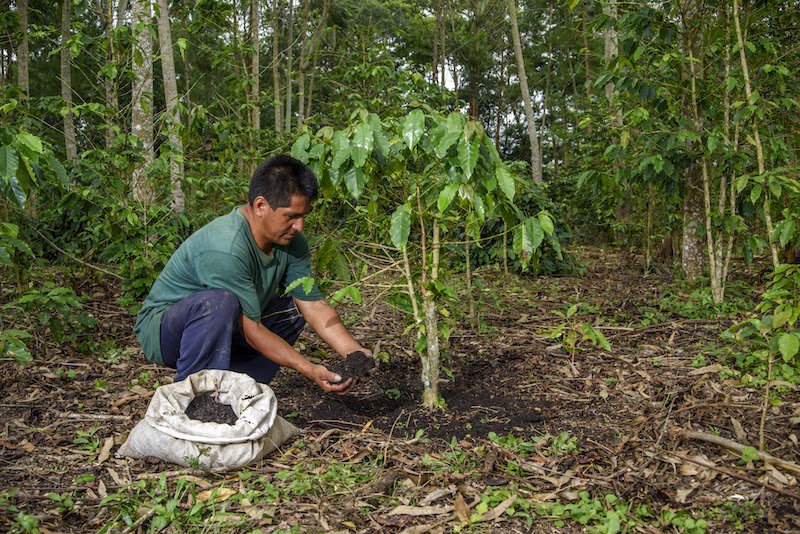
(355, 365)
(206, 409)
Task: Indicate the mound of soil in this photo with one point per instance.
(206, 409)
(355, 365)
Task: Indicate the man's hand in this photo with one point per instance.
(329, 381)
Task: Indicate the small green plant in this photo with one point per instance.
(64, 502)
(749, 454)
(57, 309)
(773, 338)
(12, 345)
(574, 335)
(88, 440)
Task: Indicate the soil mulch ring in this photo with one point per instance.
(601, 422)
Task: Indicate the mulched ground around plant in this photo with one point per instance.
(604, 422)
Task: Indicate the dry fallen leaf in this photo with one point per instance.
(741, 435)
(105, 452)
(420, 510)
(715, 368)
(219, 494)
(462, 510)
(27, 446)
(682, 494)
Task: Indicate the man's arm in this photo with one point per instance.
(278, 350)
(328, 325)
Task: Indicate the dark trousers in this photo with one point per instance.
(204, 331)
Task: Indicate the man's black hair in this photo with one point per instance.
(281, 177)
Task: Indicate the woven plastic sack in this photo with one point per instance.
(166, 432)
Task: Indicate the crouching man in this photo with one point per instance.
(216, 304)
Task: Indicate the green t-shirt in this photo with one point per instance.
(223, 255)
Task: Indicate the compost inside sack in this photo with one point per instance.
(206, 409)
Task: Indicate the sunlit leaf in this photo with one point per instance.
(341, 149)
(413, 127)
(788, 344)
(446, 197)
(362, 144)
(506, 182)
(401, 226)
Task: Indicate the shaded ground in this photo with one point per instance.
(596, 421)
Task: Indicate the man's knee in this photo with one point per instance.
(220, 302)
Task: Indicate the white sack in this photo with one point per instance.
(169, 434)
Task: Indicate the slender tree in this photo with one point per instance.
(66, 81)
(307, 53)
(276, 75)
(692, 253)
(22, 48)
(287, 120)
(536, 156)
(173, 115)
(142, 95)
(756, 136)
(255, 70)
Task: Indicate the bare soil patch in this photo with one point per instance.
(207, 409)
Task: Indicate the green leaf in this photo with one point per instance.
(362, 144)
(787, 231)
(788, 344)
(30, 141)
(755, 193)
(9, 161)
(300, 147)
(350, 291)
(381, 143)
(413, 127)
(354, 180)
(446, 197)
(401, 226)
(306, 281)
(61, 172)
(468, 154)
(547, 222)
(506, 182)
(535, 234)
(341, 149)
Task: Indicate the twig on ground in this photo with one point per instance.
(738, 447)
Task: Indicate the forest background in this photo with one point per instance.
(448, 136)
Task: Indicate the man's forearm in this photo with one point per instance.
(327, 324)
(274, 347)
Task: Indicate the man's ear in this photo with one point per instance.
(260, 205)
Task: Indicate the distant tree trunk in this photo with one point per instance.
(536, 156)
(308, 50)
(66, 81)
(437, 8)
(287, 120)
(442, 47)
(173, 113)
(500, 104)
(22, 49)
(585, 34)
(756, 137)
(692, 256)
(106, 14)
(142, 96)
(254, 42)
(276, 75)
(610, 49)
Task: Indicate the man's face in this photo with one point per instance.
(279, 226)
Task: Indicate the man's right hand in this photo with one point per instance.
(329, 381)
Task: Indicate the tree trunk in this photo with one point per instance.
(255, 69)
(536, 156)
(22, 49)
(106, 14)
(173, 113)
(66, 81)
(585, 35)
(276, 75)
(500, 105)
(287, 120)
(756, 137)
(307, 52)
(692, 257)
(142, 96)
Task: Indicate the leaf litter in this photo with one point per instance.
(517, 437)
